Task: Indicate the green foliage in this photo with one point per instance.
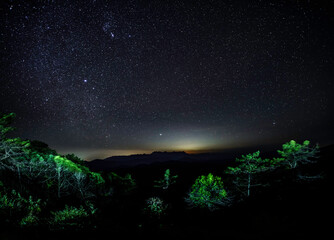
(249, 165)
(294, 153)
(18, 142)
(5, 121)
(123, 185)
(35, 161)
(97, 178)
(62, 162)
(29, 220)
(75, 165)
(155, 207)
(33, 208)
(70, 175)
(11, 149)
(72, 157)
(12, 152)
(41, 147)
(12, 200)
(15, 208)
(252, 163)
(207, 192)
(71, 216)
(44, 178)
(167, 180)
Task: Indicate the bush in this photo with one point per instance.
(155, 207)
(19, 210)
(71, 216)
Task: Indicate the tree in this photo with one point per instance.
(207, 192)
(166, 181)
(12, 150)
(294, 154)
(249, 165)
(83, 184)
(120, 185)
(39, 167)
(70, 175)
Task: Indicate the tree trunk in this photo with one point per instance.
(59, 183)
(249, 185)
(19, 175)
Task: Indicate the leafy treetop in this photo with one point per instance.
(294, 153)
(207, 192)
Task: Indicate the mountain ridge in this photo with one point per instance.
(155, 157)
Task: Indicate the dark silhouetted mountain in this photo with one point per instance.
(117, 162)
(154, 158)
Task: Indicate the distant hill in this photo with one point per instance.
(154, 158)
(116, 162)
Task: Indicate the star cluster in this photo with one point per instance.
(167, 75)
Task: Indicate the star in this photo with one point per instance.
(175, 77)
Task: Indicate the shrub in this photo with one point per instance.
(71, 216)
(155, 206)
(19, 210)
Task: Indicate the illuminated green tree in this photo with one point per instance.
(207, 192)
(250, 165)
(38, 167)
(12, 150)
(166, 181)
(72, 176)
(294, 154)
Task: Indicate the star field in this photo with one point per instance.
(119, 77)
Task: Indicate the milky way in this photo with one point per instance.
(137, 76)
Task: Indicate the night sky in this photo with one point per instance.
(101, 78)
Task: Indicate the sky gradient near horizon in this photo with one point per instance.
(101, 78)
